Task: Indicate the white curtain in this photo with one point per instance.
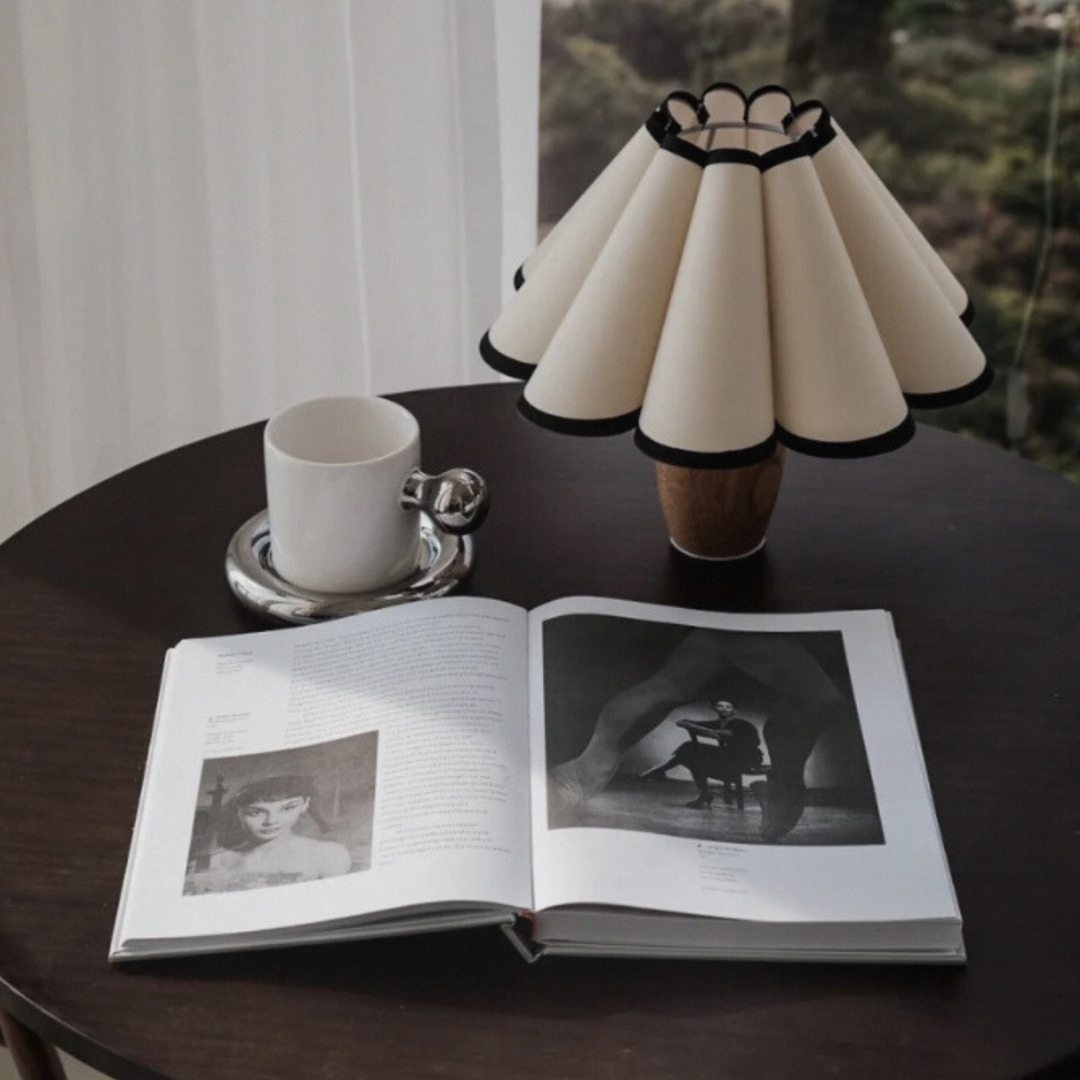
(210, 209)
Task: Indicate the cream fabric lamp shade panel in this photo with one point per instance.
(723, 412)
(834, 382)
(600, 359)
(737, 277)
(527, 324)
(803, 120)
(606, 198)
(893, 275)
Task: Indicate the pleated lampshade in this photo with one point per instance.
(736, 277)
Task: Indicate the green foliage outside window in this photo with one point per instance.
(969, 110)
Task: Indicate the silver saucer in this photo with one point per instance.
(445, 561)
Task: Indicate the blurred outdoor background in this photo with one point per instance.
(969, 110)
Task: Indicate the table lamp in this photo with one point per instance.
(737, 280)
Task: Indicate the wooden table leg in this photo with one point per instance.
(34, 1058)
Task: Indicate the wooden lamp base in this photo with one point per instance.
(720, 513)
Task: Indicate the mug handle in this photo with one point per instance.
(457, 500)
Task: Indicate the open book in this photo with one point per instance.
(597, 777)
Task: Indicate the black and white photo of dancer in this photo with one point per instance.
(799, 722)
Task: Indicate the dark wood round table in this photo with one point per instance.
(977, 554)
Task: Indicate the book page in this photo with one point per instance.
(322, 773)
(743, 766)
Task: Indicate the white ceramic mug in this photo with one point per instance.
(344, 491)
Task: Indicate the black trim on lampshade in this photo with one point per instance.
(808, 144)
(798, 110)
(738, 90)
(658, 124)
(761, 91)
(681, 148)
(967, 316)
(661, 123)
(821, 134)
(503, 364)
(608, 425)
(693, 459)
(733, 155)
(519, 277)
(781, 154)
(723, 84)
(944, 398)
(790, 152)
(856, 448)
(685, 97)
(823, 131)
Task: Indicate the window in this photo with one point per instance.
(967, 109)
